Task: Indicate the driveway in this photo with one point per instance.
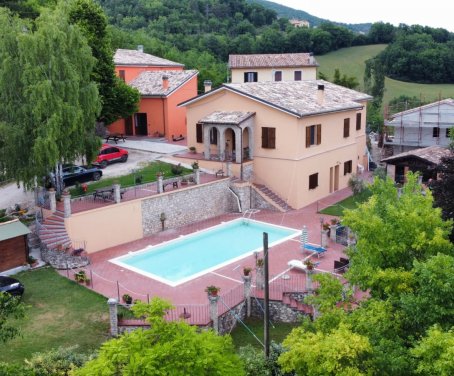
(11, 195)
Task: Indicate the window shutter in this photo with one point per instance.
(347, 127)
(272, 138)
(199, 133)
(358, 121)
(255, 74)
(319, 134)
(245, 77)
(264, 137)
(308, 136)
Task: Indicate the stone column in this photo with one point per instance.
(228, 168)
(309, 280)
(214, 312)
(160, 184)
(206, 142)
(197, 175)
(113, 316)
(260, 278)
(221, 144)
(52, 199)
(117, 196)
(238, 144)
(67, 204)
(324, 238)
(332, 232)
(247, 293)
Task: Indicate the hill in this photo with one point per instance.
(283, 11)
(351, 61)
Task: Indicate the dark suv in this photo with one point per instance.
(110, 154)
(11, 285)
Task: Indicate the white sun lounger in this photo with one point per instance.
(298, 264)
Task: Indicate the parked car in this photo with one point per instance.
(11, 285)
(81, 174)
(110, 154)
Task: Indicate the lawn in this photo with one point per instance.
(144, 175)
(242, 337)
(349, 203)
(59, 313)
(351, 61)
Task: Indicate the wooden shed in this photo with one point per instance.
(13, 244)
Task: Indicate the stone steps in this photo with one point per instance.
(277, 201)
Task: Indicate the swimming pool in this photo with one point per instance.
(180, 260)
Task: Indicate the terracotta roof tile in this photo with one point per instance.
(272, 60)
(151, 82)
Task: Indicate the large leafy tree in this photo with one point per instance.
(49, 103)
(118, 99)
(167, 348)
(393, 230)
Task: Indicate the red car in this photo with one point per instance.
(110, 154)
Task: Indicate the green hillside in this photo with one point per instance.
(351, 60)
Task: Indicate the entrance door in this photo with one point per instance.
(141, 124)
(336, 177)
(331, 179)
(128, 126)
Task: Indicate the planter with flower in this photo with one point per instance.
(127, 299)
(212, 290)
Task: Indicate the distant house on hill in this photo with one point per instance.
(272, 67)
(162, 85)
(299, 23)
(421, 127)
(301, 139)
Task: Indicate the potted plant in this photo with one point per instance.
(326, 226)
(87, 281)
(80, 276)
(195, 165)
(184, 181)
(309, 265)
(212, 290)
(247, 270)
(32, 261)
(127, 298)
(192, 149)
(259, 263)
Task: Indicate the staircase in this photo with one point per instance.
(53, 232)
(271, 197)
(290, 300)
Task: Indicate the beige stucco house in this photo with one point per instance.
(272, 67)
(301, 139)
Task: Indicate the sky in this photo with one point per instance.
(434, 13)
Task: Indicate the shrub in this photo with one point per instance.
(56, 361)
(356, 184)
(255, 363)
(177, 169)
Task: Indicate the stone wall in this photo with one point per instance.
(228, 321)
(243, 191)
(248, 171)
(185, 206)
(279, 311)
(258, 202)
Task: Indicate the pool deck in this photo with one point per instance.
(111, 280)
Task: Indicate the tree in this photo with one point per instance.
(434, 354)
(340, 352)
(350, 82)
(118, 99)
(393, 230)
(10, 307)
(167, 348)
(49, 104)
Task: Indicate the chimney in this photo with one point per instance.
(207, 84)
(165, 82)
(320, 94)
(140, 48)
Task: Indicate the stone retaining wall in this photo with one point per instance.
(228, 321)
(279, 311)
(243, 191)
(258, 202)
(186, 206)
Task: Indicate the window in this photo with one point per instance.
(213, 136)
(278, 76)
(268, 138)
(313, 181)
(358, 121)
(347, 127)
(313, 135)
(122, 75)
(298, 75)
(250, 77)
(435, 132)
(199, 132)
(347, 167)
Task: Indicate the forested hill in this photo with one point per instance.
(290, 13)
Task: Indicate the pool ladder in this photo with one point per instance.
(249, 212)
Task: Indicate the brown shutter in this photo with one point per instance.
(308, 136)
(347, 127)
(319, 134)
(358, 121)
(272, 138)
(199, 133)
(264, 137)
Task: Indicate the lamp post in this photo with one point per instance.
(321, 229)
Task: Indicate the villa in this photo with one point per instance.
(162, 85)
(272, 67)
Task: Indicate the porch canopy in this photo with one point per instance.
(225, 133)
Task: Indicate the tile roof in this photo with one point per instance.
(432, 154)
(300, 97)
(150, 83)
(272, 60)
(135, 57)
(448, 101)
(226, 117)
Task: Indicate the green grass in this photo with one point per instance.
(59, 313)
(351, 202)
(148, 174)
(241, 337)
(351, 61)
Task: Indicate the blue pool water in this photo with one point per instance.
(188, 257)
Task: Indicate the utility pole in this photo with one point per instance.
(266, 326)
